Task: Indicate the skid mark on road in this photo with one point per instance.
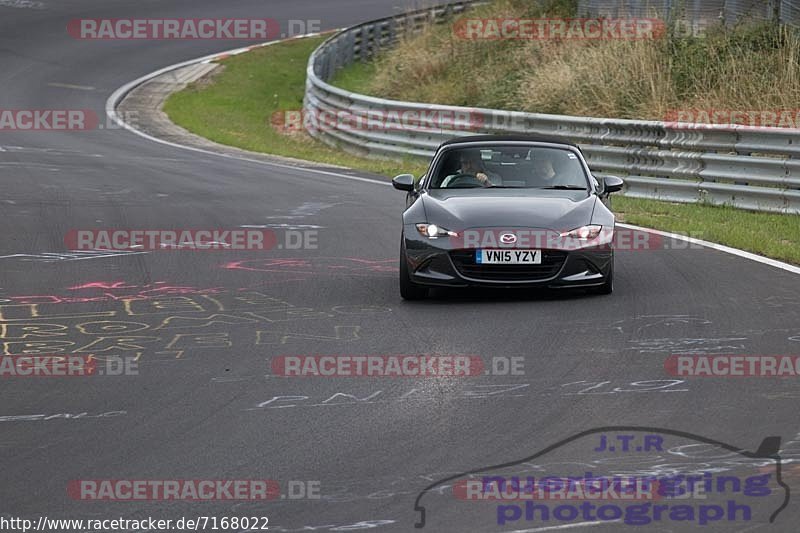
(689, 345)
(74, 255)
(69, 85)
(347, 266)
(22, 4)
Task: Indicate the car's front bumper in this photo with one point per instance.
(435, 262)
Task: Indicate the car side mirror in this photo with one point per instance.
(403, 182)
(612, 184)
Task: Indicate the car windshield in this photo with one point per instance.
(529, 167)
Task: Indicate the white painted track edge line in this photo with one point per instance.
(719, 247)
(564, 526)
(117, 96)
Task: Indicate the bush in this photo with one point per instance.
(748, 67)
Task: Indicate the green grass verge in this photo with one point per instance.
(772, 235)
(235, 107)
(355, 77)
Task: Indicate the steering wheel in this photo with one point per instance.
(464, 179)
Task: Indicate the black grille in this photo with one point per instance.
(552, 261)
(439, 263)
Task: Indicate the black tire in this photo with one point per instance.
(408, 289)
(608, 286)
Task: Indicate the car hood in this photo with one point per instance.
(471, 208)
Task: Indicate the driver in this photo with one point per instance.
(471, 164)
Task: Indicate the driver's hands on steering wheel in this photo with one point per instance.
(483, 178)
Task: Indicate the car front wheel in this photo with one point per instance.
(608, 286)
(408, 289)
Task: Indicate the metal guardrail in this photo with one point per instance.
(726, 11)
(743, 167)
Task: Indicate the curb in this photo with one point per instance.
(117, 96)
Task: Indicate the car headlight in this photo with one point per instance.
(433, 231)
(584, 233)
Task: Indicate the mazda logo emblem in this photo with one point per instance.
(508, 238)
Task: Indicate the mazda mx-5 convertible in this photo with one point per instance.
(507, 211)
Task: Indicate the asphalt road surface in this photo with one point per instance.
(202, 402)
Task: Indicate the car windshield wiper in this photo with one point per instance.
(565, 188)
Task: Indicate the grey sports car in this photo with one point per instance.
(506, 211)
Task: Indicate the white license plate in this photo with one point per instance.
(508, 257)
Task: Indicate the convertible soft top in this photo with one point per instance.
(508, 138)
